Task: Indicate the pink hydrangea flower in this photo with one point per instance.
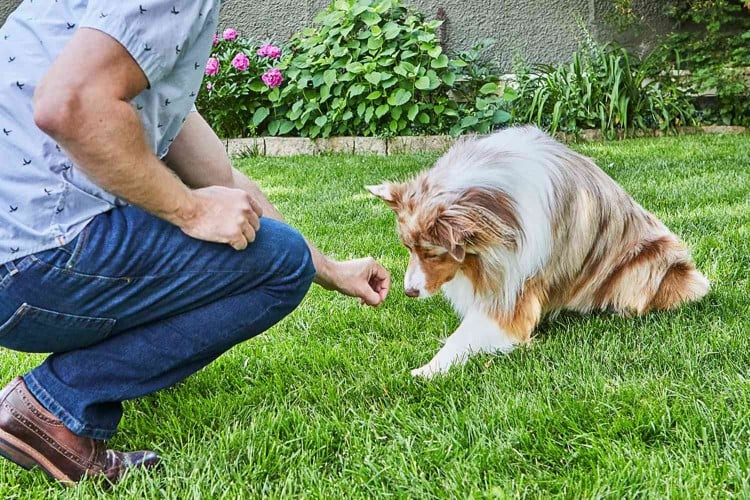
(241, 62)
(272, 78)
(229, 34)
(269, 50)
(216, 39)
(209, 86)
(212, 66)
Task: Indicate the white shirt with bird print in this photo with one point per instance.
(45, 201)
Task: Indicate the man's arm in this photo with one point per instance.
(198, 157)
(83, 103)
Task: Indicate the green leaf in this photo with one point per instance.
(329, 76)
(449, 78)
(412, 111)
(469, 121)
(381, 110)
(509, 93)
(488, 88)
(435, 51)
(361, 109)
(260, 115)
(373, 95)
(369, 18)
(440, 62)
(374, 43)
(325, 92)
(391, 30)
(368, 114)
(339, 51)
(423, 118)
(399, 97)
(500, 116)
(356, 90)
(285, 127)
(273, 127)
(321, 120)
(355, 67)
(257, 85)
(373, 77)
(422, 83)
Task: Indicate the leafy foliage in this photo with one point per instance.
(369, 67)
(604, 87)
(237, 102)
(377, 68)
(711, 40)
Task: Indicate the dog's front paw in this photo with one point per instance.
(427, 371)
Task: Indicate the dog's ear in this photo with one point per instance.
(453, 230)
(388, 192)
(476, 218)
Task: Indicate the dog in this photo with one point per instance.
(515, 226)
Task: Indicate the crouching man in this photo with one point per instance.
(130, 248)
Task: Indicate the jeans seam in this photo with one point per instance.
(132, 278)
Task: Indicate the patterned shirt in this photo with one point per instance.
(45, 201)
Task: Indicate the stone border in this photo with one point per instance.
(290, 146)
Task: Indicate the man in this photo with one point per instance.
(129, 247)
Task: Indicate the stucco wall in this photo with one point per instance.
(541, 31)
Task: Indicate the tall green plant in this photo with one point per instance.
(604, 87)
(711, 40)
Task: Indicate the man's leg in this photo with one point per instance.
(176, 304)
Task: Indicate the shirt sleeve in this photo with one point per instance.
(154, 32)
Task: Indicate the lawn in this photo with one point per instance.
(599, 406)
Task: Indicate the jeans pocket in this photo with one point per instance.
(33, 329)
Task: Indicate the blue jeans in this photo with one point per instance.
(133, 305)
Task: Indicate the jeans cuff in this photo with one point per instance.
(72, 423)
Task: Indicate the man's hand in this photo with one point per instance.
(362, 278)
(223, 215)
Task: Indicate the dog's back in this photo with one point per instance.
(586, 244)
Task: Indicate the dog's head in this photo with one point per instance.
(444, 231)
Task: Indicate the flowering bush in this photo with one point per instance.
(370, 67)
(238, 94)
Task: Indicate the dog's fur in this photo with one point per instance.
(515, 226)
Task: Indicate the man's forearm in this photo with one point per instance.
(107, 142)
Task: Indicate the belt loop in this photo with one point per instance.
(11, 267)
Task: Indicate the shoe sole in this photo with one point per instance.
(24, 456)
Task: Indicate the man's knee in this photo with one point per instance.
(294, 264)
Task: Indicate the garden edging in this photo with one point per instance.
(291, 146)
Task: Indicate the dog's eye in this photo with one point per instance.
(431, 256)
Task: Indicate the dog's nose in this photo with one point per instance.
(412, 292)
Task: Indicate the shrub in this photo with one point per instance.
(605, 88)
(240, 86)
(711, 40)
(376, 67)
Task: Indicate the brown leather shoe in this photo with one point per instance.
(31, 437)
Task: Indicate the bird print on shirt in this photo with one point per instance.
(26, 162)
(13, 209)
(11, 59)
(174, 10)
(20, 85)
(70, 26)
(142, 10)
(6, 132)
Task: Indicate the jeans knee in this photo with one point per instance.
(296, 268)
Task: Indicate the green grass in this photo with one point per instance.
(599, 406)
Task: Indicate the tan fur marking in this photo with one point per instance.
(648, 251)
(678, 285)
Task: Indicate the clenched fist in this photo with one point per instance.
(223, 215)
